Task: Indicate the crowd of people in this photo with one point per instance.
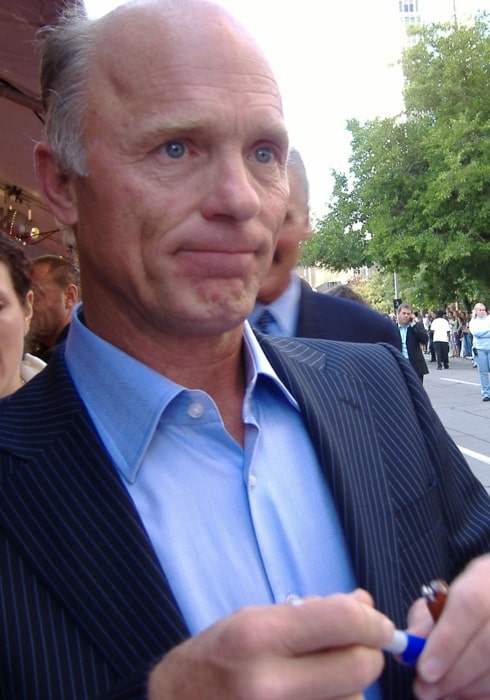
(188, 508)
(460, 337)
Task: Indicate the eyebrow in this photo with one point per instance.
(172, 128)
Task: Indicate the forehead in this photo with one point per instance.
(297, 188)
(40, 271)
(149, 57)
(6, 283)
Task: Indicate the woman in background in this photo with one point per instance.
(16, 297)
(480, 329)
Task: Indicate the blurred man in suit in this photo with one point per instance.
(56, 284)
(287, 306)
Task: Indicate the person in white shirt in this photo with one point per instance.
(441, 330)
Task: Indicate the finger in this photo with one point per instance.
(419, 619)
(463, 629)
(462, 621)
(342, 673)
(363, 596)
(335, 621)
(469, 676)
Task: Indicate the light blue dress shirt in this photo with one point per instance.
(403, 337)
(231, 526)
(284, 310)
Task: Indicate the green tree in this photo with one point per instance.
(416, 198)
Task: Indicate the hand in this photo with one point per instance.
(456, 661)
(323, 648)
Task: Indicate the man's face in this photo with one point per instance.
(295, 228)
(187, 188)
(404, 316)
(50, 310)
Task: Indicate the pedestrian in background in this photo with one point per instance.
(480, 329)
(413, 335)
(16, 298)
(441, 333)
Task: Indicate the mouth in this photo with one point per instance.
(217, 262)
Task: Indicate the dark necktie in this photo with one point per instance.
(265, 321)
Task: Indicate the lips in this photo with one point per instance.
(213, 263)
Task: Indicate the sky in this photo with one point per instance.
(334, 60)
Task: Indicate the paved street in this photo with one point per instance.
(455, 395)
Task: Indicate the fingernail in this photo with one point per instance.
(388, 628)
(430, 669)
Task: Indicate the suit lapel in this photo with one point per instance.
(336, 409)
(66, 511)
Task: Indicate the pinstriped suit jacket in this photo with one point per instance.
(85, 607)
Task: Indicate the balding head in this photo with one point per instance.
(181, 187)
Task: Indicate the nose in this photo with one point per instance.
(231, 190)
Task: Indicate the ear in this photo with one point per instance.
(71, 296)
(28, 311)
(307, 226)
(56, 185)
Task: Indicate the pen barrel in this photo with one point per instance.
(414, 648)
(406, 646)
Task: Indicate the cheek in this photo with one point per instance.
(275, 204)
(12, 332)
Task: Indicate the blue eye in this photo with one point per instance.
(174, 149)
(264, 155)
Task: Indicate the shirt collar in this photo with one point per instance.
(125, 398)
(284, 309)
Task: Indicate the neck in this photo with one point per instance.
(49, 340)
(211, 363)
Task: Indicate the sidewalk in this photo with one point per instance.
(456, 396)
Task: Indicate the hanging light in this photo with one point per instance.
(7, 220)
(32, 231)
(15, 223)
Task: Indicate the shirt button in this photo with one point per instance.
(195, 410)
(293, 599)
(252, 481)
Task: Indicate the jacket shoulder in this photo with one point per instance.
(334, 318)
(32, 417)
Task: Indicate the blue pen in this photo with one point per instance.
(407, 646)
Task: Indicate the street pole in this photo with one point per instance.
(396, 299)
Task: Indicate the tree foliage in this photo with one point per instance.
(416, 198)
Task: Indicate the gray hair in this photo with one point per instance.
(66, 53)
(296, 164)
